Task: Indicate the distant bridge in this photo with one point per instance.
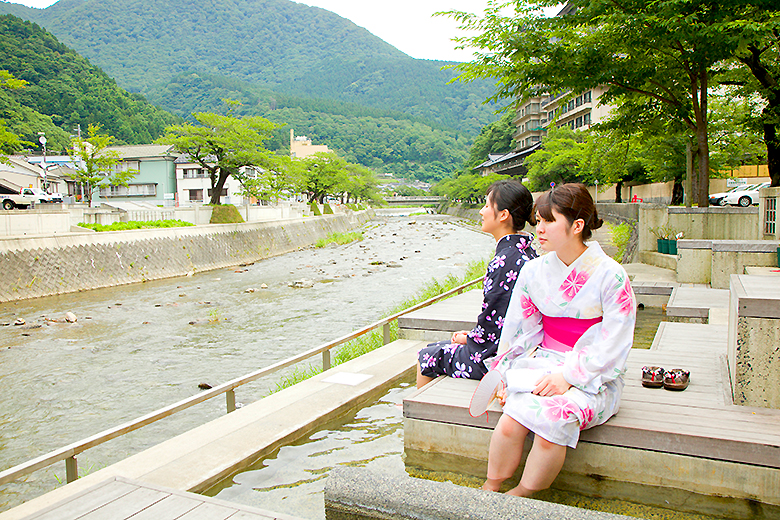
(413, 199)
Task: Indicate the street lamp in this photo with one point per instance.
(42, 140)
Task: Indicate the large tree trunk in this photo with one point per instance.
(703, 146)
(216, 191)
(772, 141)
(619, 191)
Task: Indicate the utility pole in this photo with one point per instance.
(42, 140)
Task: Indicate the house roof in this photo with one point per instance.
(141, 151)
(186, 159)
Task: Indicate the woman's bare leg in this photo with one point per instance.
(506, 452)
(421, 379)
(542, 466)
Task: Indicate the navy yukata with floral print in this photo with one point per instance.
(467, 360)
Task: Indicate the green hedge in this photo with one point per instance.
(315, 209)
(326, 209)
(135, 224)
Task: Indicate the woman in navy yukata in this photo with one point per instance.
(508, 207)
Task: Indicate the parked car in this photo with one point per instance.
(745, 197)
(56, 197)
(38, 194)
(718, 199)
(17, 200)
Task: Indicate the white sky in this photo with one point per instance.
(405, 24)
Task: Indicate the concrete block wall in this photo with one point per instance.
(33, 267)
(754, 336)
(46, 220)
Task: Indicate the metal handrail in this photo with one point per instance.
(69, 452)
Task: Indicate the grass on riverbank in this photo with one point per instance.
(373, 339)
(339, 239)
(135, 224)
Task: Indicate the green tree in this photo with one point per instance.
(224, 146)
(323, 174)
(9, 142)
(757, 23)
(95, 164)
(661, 50)
(497, 137)
(559, 160)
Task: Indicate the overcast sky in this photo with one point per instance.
(405, 24)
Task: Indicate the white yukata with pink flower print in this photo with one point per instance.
(593, 286)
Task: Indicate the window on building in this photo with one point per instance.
(131, 190)
(124, 166)
(534, 108)
(578, 101)
(535, 139)
(586, 97)
(571, 105)
(571, 124)
(191, 173)
(223, 194)
(196, 195)
(578, 122)
(550, 115)
(586, 119)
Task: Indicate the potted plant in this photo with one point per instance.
(661, 242)
(673, 241)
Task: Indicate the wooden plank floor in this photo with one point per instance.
(119, 498)
(700, 421)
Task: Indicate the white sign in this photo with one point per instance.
(169, 196)
(732, 183)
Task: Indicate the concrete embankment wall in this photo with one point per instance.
(43, 266)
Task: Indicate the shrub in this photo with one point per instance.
(315, 209)
(135, 224)
(621, 235)
(326, 209)
(225, 214)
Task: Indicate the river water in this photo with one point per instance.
(137, 348)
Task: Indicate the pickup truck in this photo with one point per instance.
(38, 194)
(17, 200)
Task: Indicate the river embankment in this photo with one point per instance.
(32, 267)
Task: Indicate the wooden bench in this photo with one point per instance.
(692, 450)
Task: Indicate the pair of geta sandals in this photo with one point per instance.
(657, 377)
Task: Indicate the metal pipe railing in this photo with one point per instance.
(68, 453)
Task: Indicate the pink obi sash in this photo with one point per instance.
(560, 334)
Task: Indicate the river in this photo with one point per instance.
(137, 348)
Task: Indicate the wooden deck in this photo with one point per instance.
(119, 498)
(690, 443)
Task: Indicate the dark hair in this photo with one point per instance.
(512, 196)
(573, 202)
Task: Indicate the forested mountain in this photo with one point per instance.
(65, 90)
(281, 45)
(384, 140)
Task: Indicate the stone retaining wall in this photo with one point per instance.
(33, 267)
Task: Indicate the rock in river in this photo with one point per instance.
(301, 284)
(70, 317)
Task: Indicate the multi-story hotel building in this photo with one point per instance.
(536, 114)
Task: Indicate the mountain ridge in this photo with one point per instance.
(281, 45)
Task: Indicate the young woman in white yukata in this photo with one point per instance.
(508, 207)
(563, 349)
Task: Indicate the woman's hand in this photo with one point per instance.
(460, 337)
(501, 394)
(551, 384)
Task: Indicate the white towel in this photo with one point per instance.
(523, 379)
